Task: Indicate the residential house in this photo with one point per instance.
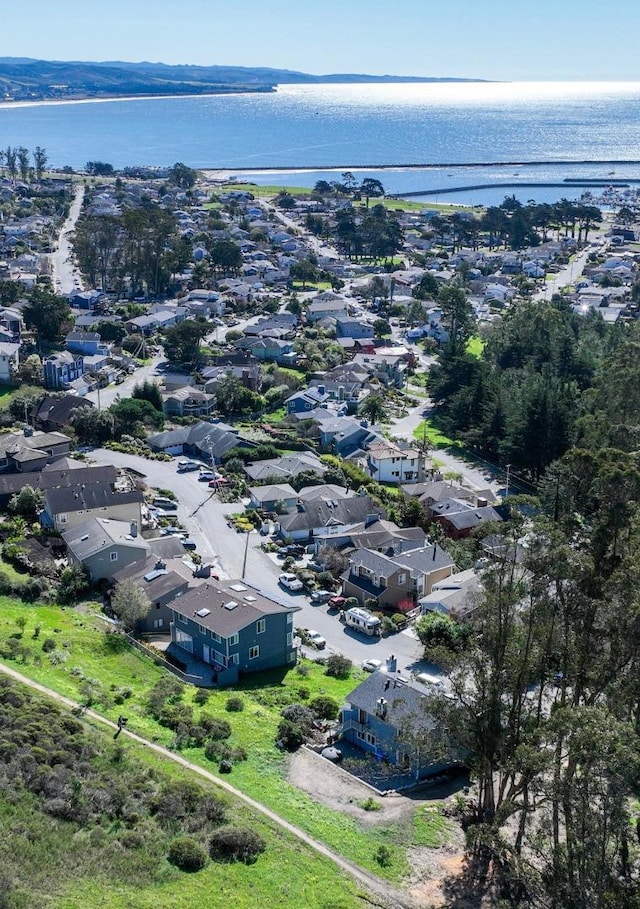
(87, 343)
(389, 368)
(272, 497)
(386, 717)
(61, 369)
(105, 546)
(233, 628)
(286, 467)
(30, 451)
(399, 581)
(378, 535)
(388, 463)
(202, 440)
(160, 585)
(269, 350)
(459, 517)
(453, 596)
(188, 402)
(58, 473)
(325, 516)
(8, 360)
(53, 414)
(344, 435)
(307, 399)
(66, 506)
(326, 305)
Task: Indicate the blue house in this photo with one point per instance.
(307, 399)
(388, 719)
(87, 343)
(61, 369)
(234, 629)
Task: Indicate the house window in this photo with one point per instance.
(234, 659)
(290, 639)
(183, 619)
(362, 716)
(395, 473)
(292, 657)
(370, 738)
(360, 735)
(383, 581)
(158, 623)
(184, 640)
(233, 640)
(261, 626)
(254, 652)
(216, 637)
(113, 556)
(63, 518)
(289, 619)
(402, 578)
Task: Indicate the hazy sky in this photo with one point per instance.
(494, 39)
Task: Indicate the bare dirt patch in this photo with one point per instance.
(332, 786)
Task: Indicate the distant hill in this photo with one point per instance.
(22, 78)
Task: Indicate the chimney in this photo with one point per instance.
(381, 707)
(321, 389)
(134, 528)
(370, 519)
(392, 663)
(341, 393)
(160, 565)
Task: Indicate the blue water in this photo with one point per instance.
(349, 125)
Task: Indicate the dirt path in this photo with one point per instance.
(379, 893)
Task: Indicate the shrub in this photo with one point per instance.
(216, 729)
(234, 705)
(383, 856)
(300, 715)
(325, 708)
(225, 766)
(201, 696)
(290, 736)
(370, 804)
(236, 844)
(186, 854)
(338, 666)
(167, 690)
(48, 645)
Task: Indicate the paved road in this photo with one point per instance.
(66, 276)
(200, 511)
(379, 892)
(107, 396)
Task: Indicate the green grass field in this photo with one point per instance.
(427, 430)
(84, 652)
(475, 346)
(113, 862)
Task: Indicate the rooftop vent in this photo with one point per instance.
(203, 613)
(230, 605)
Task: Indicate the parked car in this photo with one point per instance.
(185, 466)
(189, 544)
(371, 665)
(336, 602)
(218, 481)
(320, 596)
(205, 476)
(291, 582)
(316, 639)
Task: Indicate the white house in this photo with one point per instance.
(8, 360)
(388, 463)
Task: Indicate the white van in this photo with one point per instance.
(363, 621)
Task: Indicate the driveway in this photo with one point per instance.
(105, 397)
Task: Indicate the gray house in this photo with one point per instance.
(234, 629)
(388, 719)
(105, 546)
(161, 585)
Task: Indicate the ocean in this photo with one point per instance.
(556, 125)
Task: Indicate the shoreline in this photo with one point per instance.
(58, 102)
(338, 168)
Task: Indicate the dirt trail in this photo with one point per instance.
(378, 892)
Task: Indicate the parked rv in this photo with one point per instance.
(363, 621)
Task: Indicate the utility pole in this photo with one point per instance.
(506, 492)
(246, 552)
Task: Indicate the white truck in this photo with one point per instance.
(363, 621)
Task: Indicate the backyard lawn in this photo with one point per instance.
(427, 430)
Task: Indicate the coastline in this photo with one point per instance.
(106, 99)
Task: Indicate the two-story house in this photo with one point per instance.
(105, 546)
(399, 581)
(160, 585)
(388, 463)
(234, 629)
(30, 451)
(389, 719)
(87, 343)
(61, 369)
(8, 360)
(67, 506)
